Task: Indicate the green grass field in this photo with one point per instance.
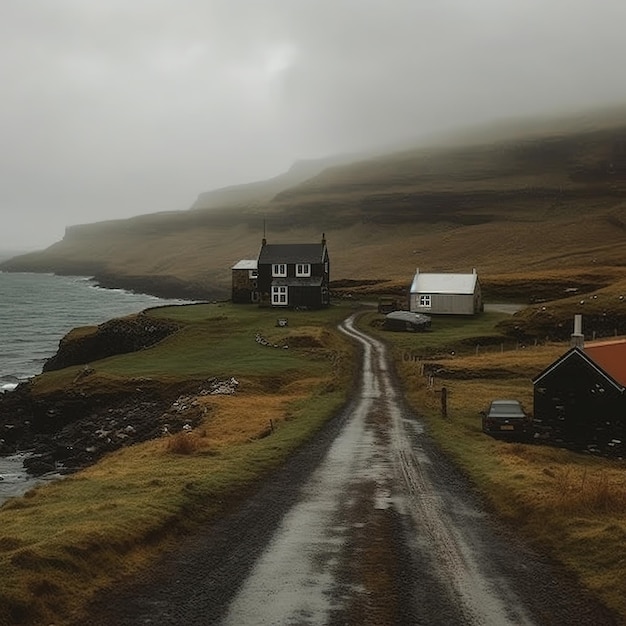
(63, 541)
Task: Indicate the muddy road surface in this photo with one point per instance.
(369, 524)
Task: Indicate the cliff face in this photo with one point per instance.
(68, 428)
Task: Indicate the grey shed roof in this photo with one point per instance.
(408, 316)
(444, 283)
(292, 253)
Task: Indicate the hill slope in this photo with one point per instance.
(542, 202)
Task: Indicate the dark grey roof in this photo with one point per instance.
(292, 253)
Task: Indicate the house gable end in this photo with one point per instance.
(571, 356)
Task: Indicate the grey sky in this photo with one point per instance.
(113, 108)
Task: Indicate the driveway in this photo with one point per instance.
(368, 524)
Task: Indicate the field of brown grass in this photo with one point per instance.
(570, 505)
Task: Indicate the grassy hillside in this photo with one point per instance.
(61, 543)
(549, 198)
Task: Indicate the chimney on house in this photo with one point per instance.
(323, 239)
(578, 339)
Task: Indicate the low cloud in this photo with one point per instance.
(112, 109)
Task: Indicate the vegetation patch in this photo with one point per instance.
(70, 538)
(603, 312)
(571, 505)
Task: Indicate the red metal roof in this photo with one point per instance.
(610, 356)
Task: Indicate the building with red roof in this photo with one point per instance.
(580, 399)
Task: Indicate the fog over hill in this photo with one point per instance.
(119, 109)
(260, 192)
(545, 197)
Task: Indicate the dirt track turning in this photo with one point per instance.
(369, 524)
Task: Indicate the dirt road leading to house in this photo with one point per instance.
(367, 525)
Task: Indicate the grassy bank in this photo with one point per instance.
(61, 542)
(570, 505)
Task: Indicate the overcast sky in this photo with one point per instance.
(114, 108)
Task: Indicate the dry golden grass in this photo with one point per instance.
(585, 491)
(183, 442)
(237, 419)
(73, 537)
(571, 505)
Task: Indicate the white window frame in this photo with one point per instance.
(280, 296)
(425, 301)
(279, 269)
(303, 269)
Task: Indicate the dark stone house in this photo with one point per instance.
(580, 399)
(292, 275)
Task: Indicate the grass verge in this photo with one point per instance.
(62, 542)
(571, 506)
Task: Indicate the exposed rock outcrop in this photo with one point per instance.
(117, 336)
(71, 429)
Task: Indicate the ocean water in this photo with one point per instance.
(37, 310)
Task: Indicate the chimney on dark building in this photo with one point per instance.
(578, 339)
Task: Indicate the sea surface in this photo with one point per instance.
(36, 311)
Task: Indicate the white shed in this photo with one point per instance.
(445, 293)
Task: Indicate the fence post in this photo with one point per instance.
(444, 402)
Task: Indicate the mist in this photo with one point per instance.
(114, 109)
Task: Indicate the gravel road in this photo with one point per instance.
(369, 524)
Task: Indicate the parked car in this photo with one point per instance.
(507, 419)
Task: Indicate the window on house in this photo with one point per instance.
(279, 296)
(303, 269)
(279, 269)
(425, 301)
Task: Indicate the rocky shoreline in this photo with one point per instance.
(74, 426)
(69, 430)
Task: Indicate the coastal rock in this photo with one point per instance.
(117, 336)
(65, 431)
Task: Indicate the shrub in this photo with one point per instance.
(182, 443)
